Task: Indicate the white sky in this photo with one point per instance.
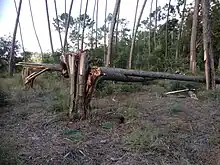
(8, 16)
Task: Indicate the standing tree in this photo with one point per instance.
(84, 23)
(105, 32)
(79, 27)
(35, 31)
(93, 19)
(133, 31)
(180, 31)
(111, 33)
(149, 41)
(96, 29)
(207, 45)
(49, 29)
(155, 27)
(11, 60)
(58, 24)
(193, 37)
(134, 36)
(168, 14)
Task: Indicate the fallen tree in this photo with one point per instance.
(83, 78)
(113, 72)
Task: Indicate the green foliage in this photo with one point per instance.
(175, 108)
(130, 87)
(214, 95)
(60, 102)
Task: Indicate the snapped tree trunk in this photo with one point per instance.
(207, 45)
(111, 33)
(134, 36)
(193, 37)
(153, 75)
(49, 29)
(11, 60)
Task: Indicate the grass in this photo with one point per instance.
(175, 108)
(144, 138)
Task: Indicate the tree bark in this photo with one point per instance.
(193, 38)
(84, 22)
(134, 36)
(111, 33)
(11, 60)
(153, 75)
(207, 46)
(49, 29)
(115, 74)
(180, 32)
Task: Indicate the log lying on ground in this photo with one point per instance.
(52, 67)
(115, 74)
(155, 75)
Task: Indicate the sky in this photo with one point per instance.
(8, 16)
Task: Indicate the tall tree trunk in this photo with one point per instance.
(58, 24)
(49, 29)
(79, 27)
(67, 27)
(111, 33)
(149, 41)
(84, 22)
(193, 37)
(207, 46)
(105, 32)
(11, 60)
(35, 31)
(19, 25)
(180, 32)
(168, 13)
(155, 28)
(134, 35)
(96, 34)
(116, 34)
(93, 19)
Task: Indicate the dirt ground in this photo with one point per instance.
(157, 130)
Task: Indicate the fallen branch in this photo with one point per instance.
(178, 91)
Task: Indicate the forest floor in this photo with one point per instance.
(157, 130)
